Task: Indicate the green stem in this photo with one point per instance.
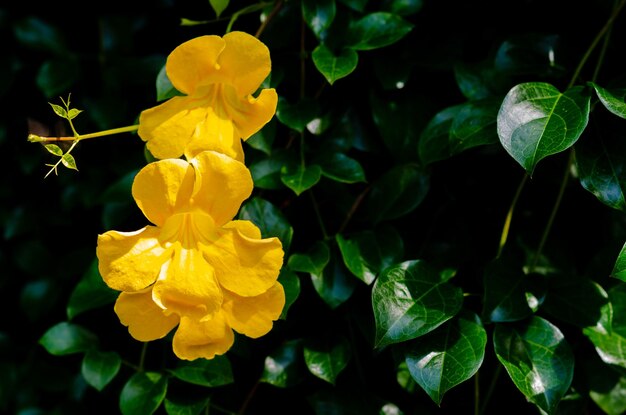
(273, 13)
(318, 215)
(142, 357)
(492, 387)
(33, 138)
(246, 401)
(509, 216)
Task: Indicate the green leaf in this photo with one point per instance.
(266, 173)
(67, 338)
(219, 6)
(617, 310)
(575, 300)
(164, 88)
(356, 5)
(376, 30)
(536, 121)
(478, 81)
(56, 76)
(68, 161)
(269, 219)
(298, 115)
(332, 66)
(301, 178)
(402, 7)
(203, 372)
(397, 192)
(529, 54)
(607, 387)
(447, 356)
(613, 100)
(185, 408)
(458, 128)
(73, 113)
(263, 139)
(313, 262)
(611, 347)
(506, 287)
(54, 149)
(327, 357)
(318, 15)
(143, 393)
(90, 292)
(619, 269)
(339, 167)
(537, 358)
(601, 163)
(410, 300)
(99, 368)
(367, 253)
(58, 110)
(291, 284)
(282, 367)
(38, 34)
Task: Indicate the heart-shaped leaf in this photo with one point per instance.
(536, 120)
(411, 299)
(447, 356)
(538, 359)
(301, 178)
(99, 368)
(327, 357)
(143, 393)
(334, 66)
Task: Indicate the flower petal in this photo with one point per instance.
(244, 62)
(162, 187)
(130, 261)
(215, 133)
(222, 184)
(187, 286)
(170, 126)
(244, 265)
(195, 339)
(146, 321)
(193, 62)
(254, 316)
(250, 114)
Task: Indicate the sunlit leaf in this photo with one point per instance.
(409, 300)
(99, 368)
(143, 393)
(334, 66)
(613, 100)
(219, 6)
(536, 121)
(209, 373)
(538, 359)
(68, 161)
(67, 338)
(54, 149)
(447, 356)
(327, 357)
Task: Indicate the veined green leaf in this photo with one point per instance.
(613, 100)
(54, 149)
(332, 66)
(409, 300)
(68, 161)
(538, 359)
(99, 368)
(376, 30)
(143, 393)
(58, 110)
(536, 120)
(448, 356)
(301, 178)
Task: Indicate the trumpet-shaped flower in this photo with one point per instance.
(218, 76)
(195, 267)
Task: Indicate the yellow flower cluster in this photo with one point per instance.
(195, 268)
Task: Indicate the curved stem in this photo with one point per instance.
(269, 17)
(246, 401)
(509, 216)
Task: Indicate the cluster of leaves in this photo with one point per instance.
(405, 132)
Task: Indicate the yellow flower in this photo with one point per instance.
(195, 267)
(218, 76)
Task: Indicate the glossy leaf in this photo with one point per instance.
(266, 173)
(339, 167)
(291, 285)
(143, 393)
(327, 357)
(263, 139)
(313, 262)
(68, 161)
(269, 219)
(99, 368)
(576, 300)
(397, 192)
(447, 356)
(185, 408)
(611, 347)
(376, 30)
(409, 300)
(283, 367)
(334, 285)
(209, 373)
(90, 292)
(607, 386)
(301, 178)
(619, 268)
(538, 359)
(67, 338)
(334, 66)
(458, 128)
(507, 292)
(402, 7)
(367, 253)
(318, 15)
(601, 164)
(613, 100)
(617, 308)
(298, 115)
(536, 121)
